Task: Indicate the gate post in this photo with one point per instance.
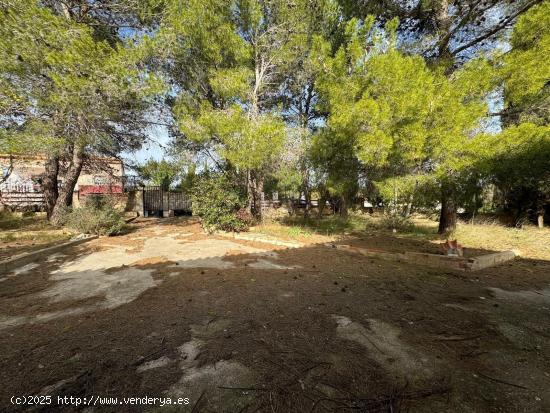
(140, 202)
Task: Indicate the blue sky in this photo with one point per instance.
(154, 148)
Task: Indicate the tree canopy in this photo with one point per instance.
(413, 102)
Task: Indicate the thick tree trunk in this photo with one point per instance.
(49, 184)
(66, 193)
(447, 217)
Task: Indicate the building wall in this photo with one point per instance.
(104, 177)
(28, 170)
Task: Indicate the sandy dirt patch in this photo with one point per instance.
(113, 273)
(385, 347)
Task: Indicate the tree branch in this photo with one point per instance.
(495, 29)
(6, 175)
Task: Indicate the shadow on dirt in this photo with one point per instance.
(307, 329)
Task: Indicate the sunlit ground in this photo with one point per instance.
(485, 234)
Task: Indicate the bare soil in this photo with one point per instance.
(166, 310)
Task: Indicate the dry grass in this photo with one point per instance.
(22, 233)
(311, 230)
(530, 241)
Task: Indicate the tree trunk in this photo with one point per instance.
(307, 196)
(6, 174)
(249, 192)
(66, 193)
(411, 200)
(409, 207)
(258, 195)
(322, 203)
(343, 207)
(541, 210)
(447, 217)
(49, 184)
(255, 187)
(394, 206)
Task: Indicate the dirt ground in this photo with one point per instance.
(247, 326)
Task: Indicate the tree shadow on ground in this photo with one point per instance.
(280, 325)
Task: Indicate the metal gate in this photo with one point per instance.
(158, 199)
(152, 198)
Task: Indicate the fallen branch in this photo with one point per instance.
(455, 338)
(363, 403)
(242, 388)
(502, 381)
(198, 401)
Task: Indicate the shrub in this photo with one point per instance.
(9, 220)
(95, 217)
(64, 214)
(397, 222)
(219, 203)
(274, 214)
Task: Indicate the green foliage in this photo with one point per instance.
(244, 142)
(396, 111)
(334, 155)
(61, 86)
(411, 126)
(241, 56)
(161, 173)
(525, 71)
(288, 179)
(98, 217)
(188, 181)
(421, 190)
(218, 202)
(396, 222)
(9, 220)
(519, 165)
(313, 96)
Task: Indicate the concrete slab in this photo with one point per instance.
(490, 260)
(434, 260)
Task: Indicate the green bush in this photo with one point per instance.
(219, 203)
(64, 214)
(98, 217)
(9, 220)
(396, 222)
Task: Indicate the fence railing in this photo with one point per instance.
(21, 199)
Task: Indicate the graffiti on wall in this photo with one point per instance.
(17, 183)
